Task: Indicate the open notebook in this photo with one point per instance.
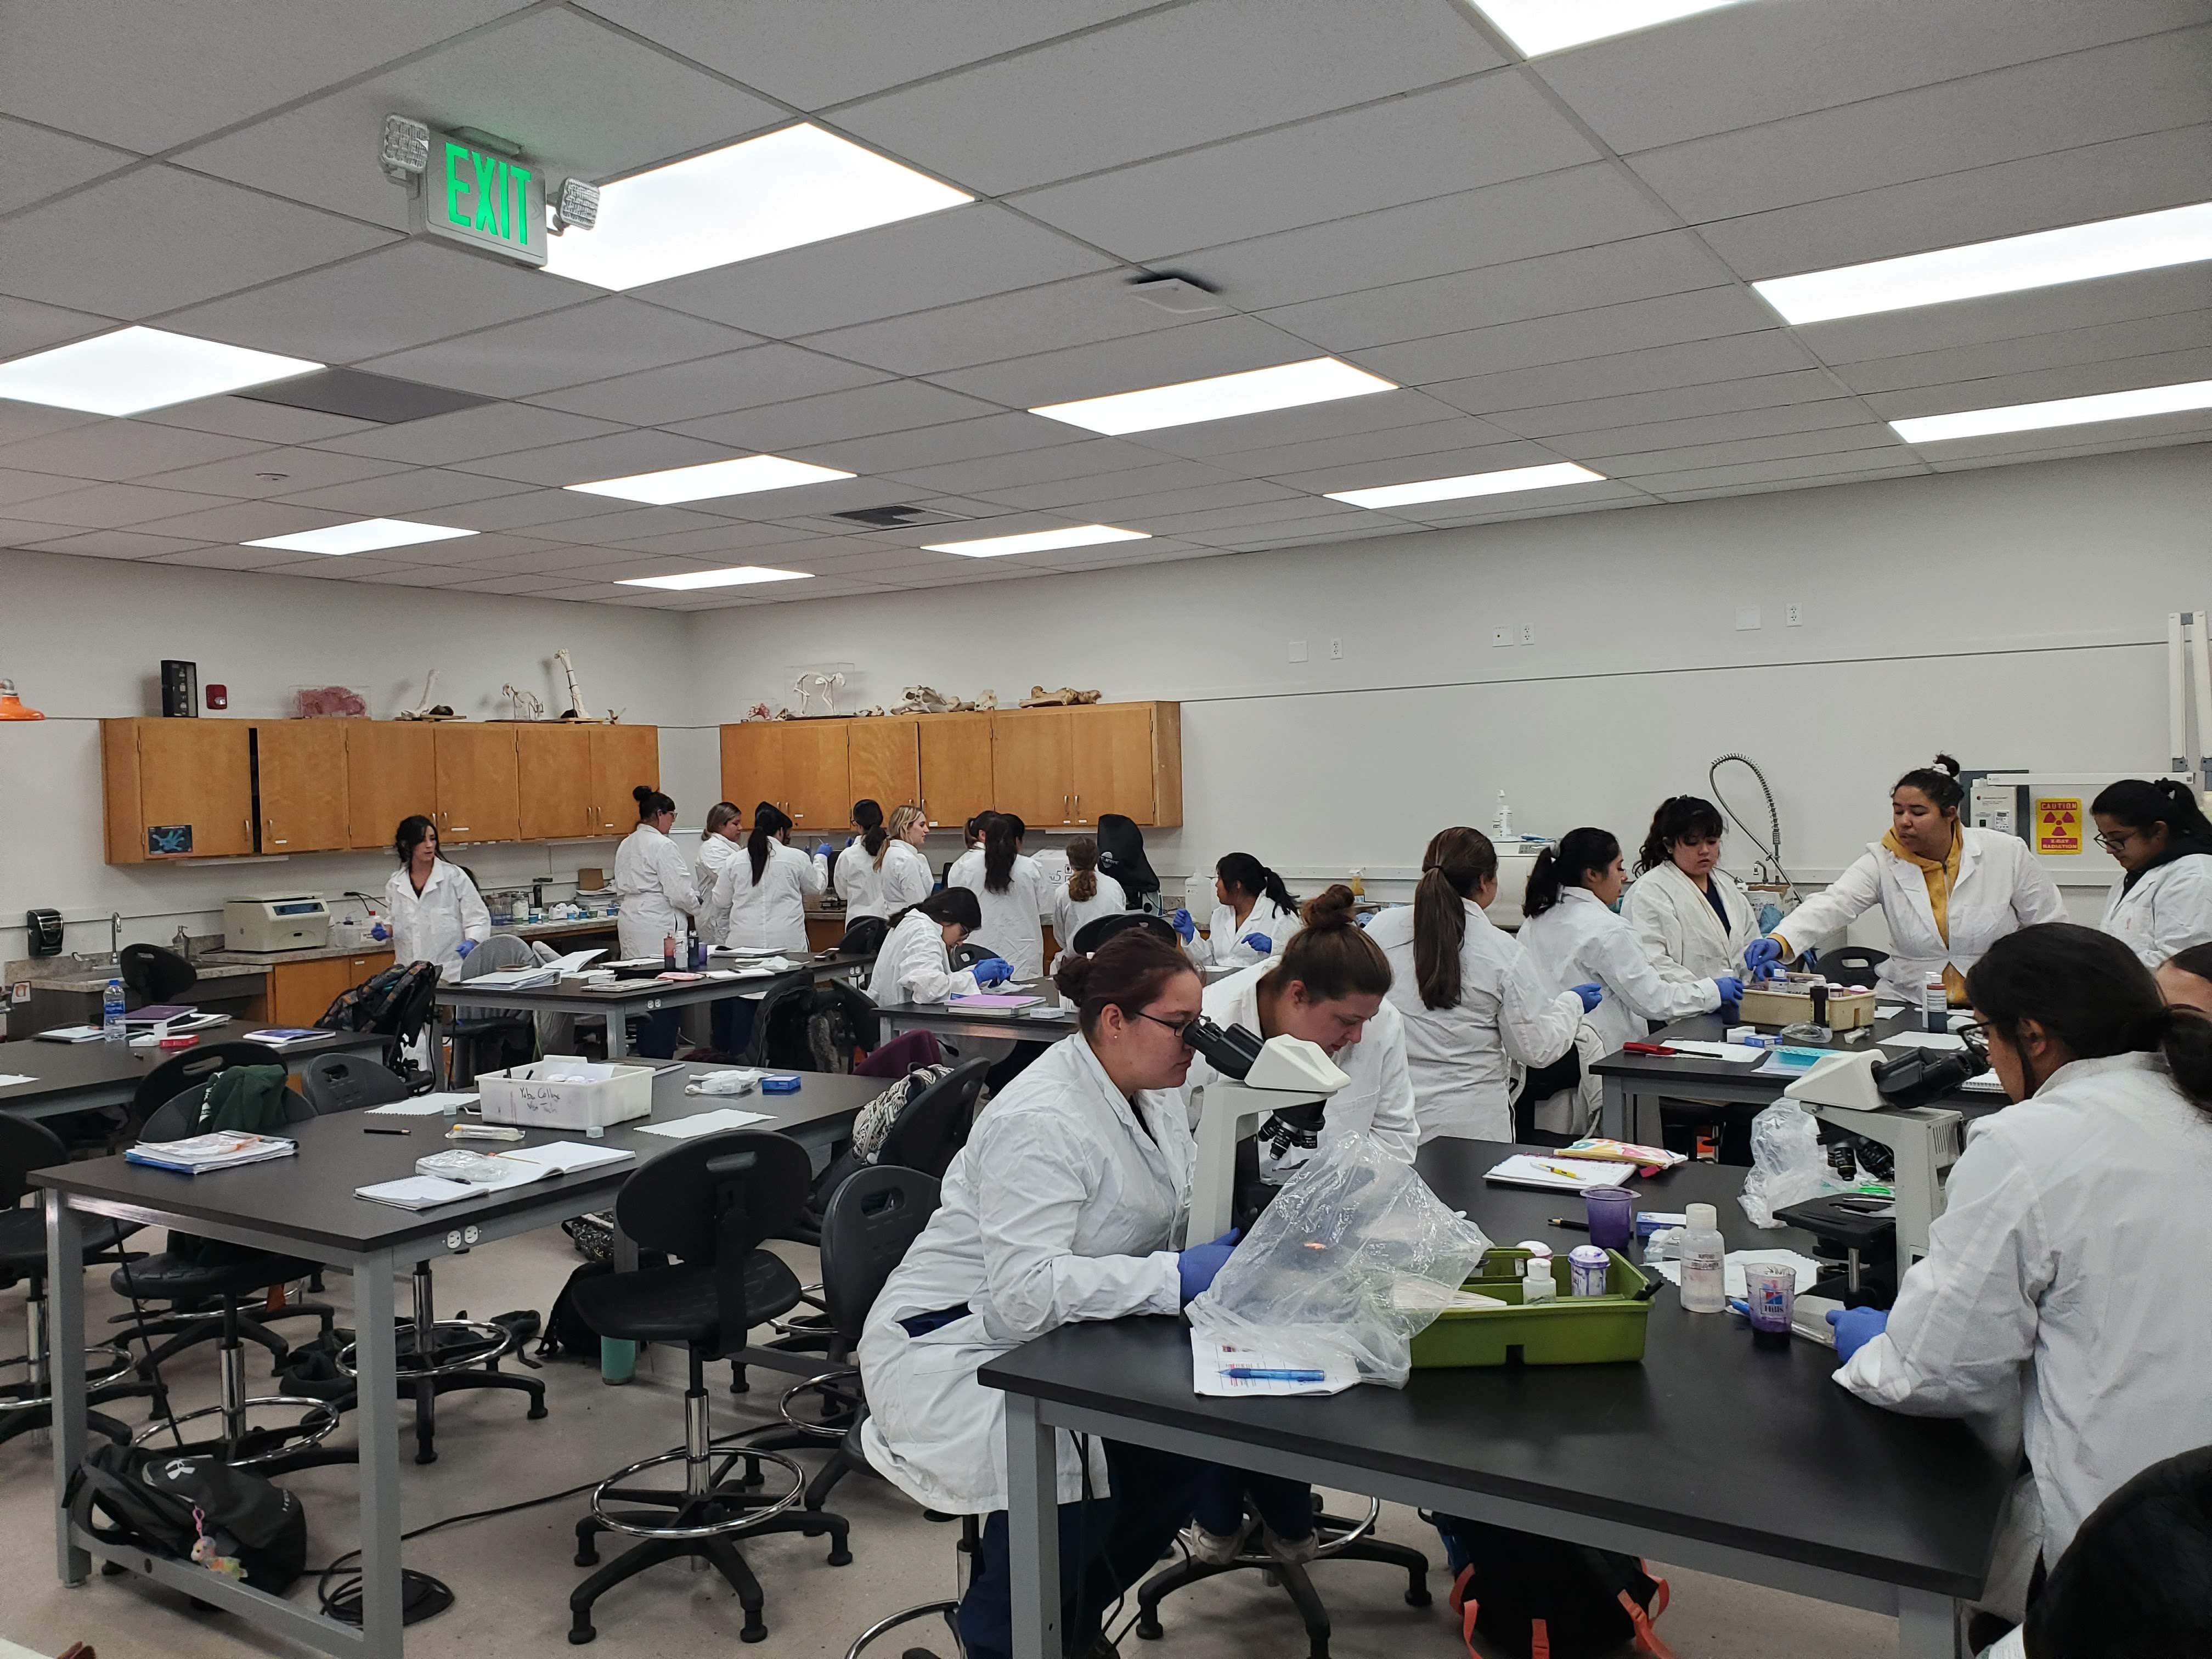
(1558, 1174)
(532, 1164)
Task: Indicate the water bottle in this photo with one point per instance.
(1705, 1262)
(111, 1011)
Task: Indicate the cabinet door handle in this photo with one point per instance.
(460, 829)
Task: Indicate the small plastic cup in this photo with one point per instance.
(1770, 1298)
(1612, 1213)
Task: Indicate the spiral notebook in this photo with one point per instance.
(1558, 1174)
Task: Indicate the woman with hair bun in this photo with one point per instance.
(1946, 890)
(1691, 919)
(1253, 916)
(658, 900)
(2157, 833)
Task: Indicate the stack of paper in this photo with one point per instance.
(70, 1033)
(1736, 1054)
(195, 1154)
(284, 1036)
(530, 1163)
(541, 976)
(1985, 1084)
(987, 999)
(1225, 1368)
(704, 1123)
(432, 1105)
(1557, 1173)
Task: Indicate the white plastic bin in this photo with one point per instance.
(563, 1093)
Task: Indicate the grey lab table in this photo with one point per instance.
(1039, 1024)
(1634, 1084)
(1745, 1462)
(77, 1077)
(305, 1206)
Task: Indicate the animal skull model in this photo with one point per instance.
(1066, 697)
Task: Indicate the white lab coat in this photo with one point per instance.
(1070, 916)
(2169, 910)
(1675, 924)
(968, 862)
(1377, 1101)
(1013, 922)
(1061, 1207)
(655, 887)
(428, 926)
(2065, 1244)
(914, 966)
(907, 877)
(1223, 942)
(2000, 889)
(1467, 1061)
(859, 882)
(1578, 941)
(769, 914)
(714, 851)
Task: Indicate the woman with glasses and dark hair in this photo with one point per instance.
(1946, 890)
(1691, 919)
(2158, 835)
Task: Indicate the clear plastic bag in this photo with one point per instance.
(1356, 1255)
(1787, 1164)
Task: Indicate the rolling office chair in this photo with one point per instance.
(156, 973)
(436, 1356)
(507, 1035)
(865, 935)
(707, 1204)
(1096, 931)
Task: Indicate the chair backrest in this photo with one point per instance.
(968, 952)
(195, 1066)
(873, 1220)
(155, 972)
(720, 1194)
(865, 935)
(1096, 931)
(497, 954)
(805, 1027)
(933, 1128)
(346, 1083)
(25, 1145)
(179, 1116)
(1854, 964)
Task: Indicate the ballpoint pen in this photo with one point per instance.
(1270, 1374)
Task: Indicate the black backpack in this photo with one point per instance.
(151, 1497)
(1550, 1599)
(812, 1028)
(374, 1004)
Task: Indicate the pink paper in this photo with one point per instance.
(986, 1001)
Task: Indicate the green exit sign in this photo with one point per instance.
(485, 200)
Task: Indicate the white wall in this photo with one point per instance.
(84, 638)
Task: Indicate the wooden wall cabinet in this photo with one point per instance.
(391, 773)
(752, 766)
(799, 766)
(619, 758)
(957, 767)
(177, 789)
(478, 792)
(1127, 757)
(553, 782)
(883, 761)
(300, 773)
(1033, 767)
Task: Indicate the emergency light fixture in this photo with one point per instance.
(1037, 541)
(1540, 26)
(362, 536)
(737, 575)
(135, 369)
(1507, 483)
(1286, 386)
(405, 153)
(742, 477)
(2063, 411)
(577, 207)
(2111, 247)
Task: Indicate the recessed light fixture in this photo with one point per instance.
(362, 536)
(1286, 386)
(782, 190)
(737, 575)
(2064, 411)
(1037, 541)
(1472, 483)
(744, 475)
(2144, 241)
(1540, 26)
(136, 369)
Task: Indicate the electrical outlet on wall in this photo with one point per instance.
(1528, 632)
(1793, 614)
(1501, 636)
(1335, 649)
(1297, 650)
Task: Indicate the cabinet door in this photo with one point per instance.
(1112, 749)
(955, 766)
(199, 772)
(299, 992)
(752, 765)
(623, 757)
(817, 786)
(300, 766)
(1031, 767)
(392, 773)
(883, 762)
(553, 781)
(476, 784)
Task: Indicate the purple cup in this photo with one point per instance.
(1612, 1213)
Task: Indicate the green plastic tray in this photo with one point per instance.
(1582, 1330)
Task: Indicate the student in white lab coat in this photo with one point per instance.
(2158, 835)
(915, 964)
(1013, 892)
(971, 856)
(852, 868)
(1253, 915)
(1086, 897)
(765, 887)
(901, 868)
(1947, 891)
(718, 845)
(659, 898)
(1068, 1203)
(2067, 1243)
(1474, 1025)
(433, 910)
(1693, 919)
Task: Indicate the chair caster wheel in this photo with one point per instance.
(841, 1558)
(535, 1412)
(1149, 1629)
(113, 1569)
(1417, 1598)
(754, 1632)
(581, 1634)
(588, 1558)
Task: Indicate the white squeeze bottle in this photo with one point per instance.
(1704, 1273)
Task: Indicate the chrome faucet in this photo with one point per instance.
(115, 936)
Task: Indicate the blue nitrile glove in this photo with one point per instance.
(1259, 942)
(1197, 1265)
(379, 933)
(1855, 1328)
(1763, 957)
(1731, 990)
(1184, 925)
(1590, 994)
(464, 947)
(826, 850)
(993, 970)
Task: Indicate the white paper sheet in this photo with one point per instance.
(1529, 1169)
(704, 1123)
(1986, 1083)
(1807, 1270)
(9, 1079)
(433, 1105)
(564, 1156)
(1945, 1041)
(420, 1192)
(1736, 1054)
(1211, 1359)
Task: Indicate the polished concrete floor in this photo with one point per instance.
(511, 1574)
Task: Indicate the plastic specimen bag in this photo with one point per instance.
(1787, 1166)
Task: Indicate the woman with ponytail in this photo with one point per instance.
(1691, 919)
(763, 889)
(1253, 915)
(1015, 896)
(1475, 1026)
(2071, 1239)
(1087, 895)
(856, 871)
(2158, 835)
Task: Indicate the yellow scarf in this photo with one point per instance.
(1940, 875)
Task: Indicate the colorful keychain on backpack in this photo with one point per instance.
(208, 1553)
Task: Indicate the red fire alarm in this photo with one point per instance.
(218, 697)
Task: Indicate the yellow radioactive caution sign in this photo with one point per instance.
(2058, 824)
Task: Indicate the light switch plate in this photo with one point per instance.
(1297, 650)
(1746, 618)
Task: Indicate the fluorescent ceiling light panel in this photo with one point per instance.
(743, 476)
(2145, 242)
(2064, 411)
(362, 536)
(782, 190)
(136, 369)
(1037, 541)
(1473, 484)
(1540, 26)
(737, 575)
(1287, 385)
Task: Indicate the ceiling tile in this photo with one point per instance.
(1662, 369)
(1862, 435)
(588, 460)
(537, 513)
(1409, 446)
(989, 436)
(861, 412)
(246, 521)
(232, 558)
(606, 529)
(158, 238)
(1870, 463)
(1452, 138)
(712, 386)
(301, 470)
(117, 449)
(470, 435)
(1872, 475)
(1598, 445)
(1120, 484)
(2039, 386)
(397, 494)
(42, 162)
(415, 575)
(1675, 403)
(465, 551)
(1138, 513)
(2012, 316)
(16, 486)
(726, 536)
(252, 417)
(543, 561)
(116, 544)
(1673, 318)
(107, 505)
(1195, 351)
(19, 532)
(1345, 417)
(2144, 337)
(592, 342)
(1067, 460)
(1254, 516)
(1408, 468)
(989, 331)
(25, 326)
(20, 422)
(1181, 76)
(525, 585)
(349, 567)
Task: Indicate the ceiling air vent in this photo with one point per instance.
(898, 518)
